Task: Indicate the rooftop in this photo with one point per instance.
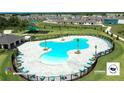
(7, 38)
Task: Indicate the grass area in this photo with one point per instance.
(5, 62)
(65, 32)
(54, 30)
(118, 29)
(117, 55)
(50, 27)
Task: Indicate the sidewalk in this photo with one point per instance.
(108, 31)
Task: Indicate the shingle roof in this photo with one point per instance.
(7, 39)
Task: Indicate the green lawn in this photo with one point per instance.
(5, 62)
(117, 55)
(118, 29)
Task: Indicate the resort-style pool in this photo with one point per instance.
(60, 58)
(59, 50)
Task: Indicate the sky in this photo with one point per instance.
(61, 5)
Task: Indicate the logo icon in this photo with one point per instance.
(8, 70)
(113, 68)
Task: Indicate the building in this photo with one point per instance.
(8, 41)
(84, 20)
(7, 31)
(111, 21)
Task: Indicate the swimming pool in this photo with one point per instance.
(60, 58)
(59, 50)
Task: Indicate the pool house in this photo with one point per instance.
(8, 41)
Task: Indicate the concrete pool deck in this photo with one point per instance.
(35, 65)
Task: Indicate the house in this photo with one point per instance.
(8, 41)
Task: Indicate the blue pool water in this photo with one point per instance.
(58, 54)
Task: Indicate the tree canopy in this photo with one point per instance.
(12, 22)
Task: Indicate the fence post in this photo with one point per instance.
(80, 73)
(37, 78)
(48, 78)
(71, 76)
(60, 78)
(27, 76)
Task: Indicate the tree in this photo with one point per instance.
(45, 45)
(23, 24)
(3, 22)
(13, 21)
(78, 46)
(95, 49)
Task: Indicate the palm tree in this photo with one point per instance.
(95, 49)
(45, 45)
(62, 35)
(78, 46)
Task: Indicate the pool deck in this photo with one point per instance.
(32, 52)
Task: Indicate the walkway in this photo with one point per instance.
(108, 31)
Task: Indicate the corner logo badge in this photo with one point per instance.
(113, 68)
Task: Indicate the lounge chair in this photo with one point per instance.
(32, 76)
(52, 78)
(20, 61)
(63, 77)
(42, 78)
(90, 63)
(18, 57)
(18, 65)
(21, 68)
(76, 74)
(87, 65)
(92, 59)
(25, 71)
(82, 69)
(21, 54)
